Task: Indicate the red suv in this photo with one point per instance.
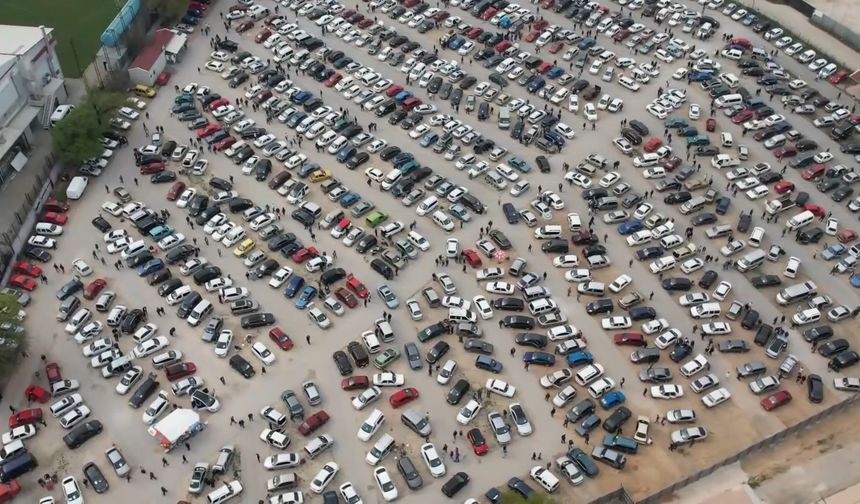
(180, 370)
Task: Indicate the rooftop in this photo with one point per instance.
(151, 52)
(16, 39)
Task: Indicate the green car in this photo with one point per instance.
(190, 115)
(383, 360)
(518, 163)
(676, 122)
(375, 218)
(182, 108)
(183, 98)
(431, 331)
(699, 140)
(160, 232)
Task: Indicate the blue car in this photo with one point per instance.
(293, 287)
(855, 280)
(347, 152)
(150, 267)
(295, 119)
(579, 358)
(399, 97)
(301, 97)
(701, 76)
(554, 72)
(456, 42)
(630, 227)
(518, 163)
(539, 358)
(429, 139)
(612, 399)
(349, 199)
(689, 131)
(309, 292)
(160, 232)
(535, 85)
(586, 43)
(554, 137)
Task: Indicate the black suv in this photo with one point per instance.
(242, 366)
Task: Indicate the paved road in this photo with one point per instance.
(645, 472)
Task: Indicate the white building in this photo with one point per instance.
(31, 86)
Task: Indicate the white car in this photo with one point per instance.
(556, 378)
(414, 308)
(19, 433)
(150, 346)
(499, 287)
(155, 408)
(385, 484)
(667, 391)
(716, 328)
(128, 380)
(388, 379)
(566, 261)
(71, 491)
(500, 387)
(620, 283)
(275, 439)
(614, 323)
(216, 284)
(722, 290)
(366, 397)
(324, 477)
(667, 338)
(281, 461)
(446, 372)
(716, 397)
(280, 277)
(262, 352)
(694, 111)
(468, 412)
(433, 460)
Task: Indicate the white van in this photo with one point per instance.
(178, 295)
(384, 331)
(730, 80)
(442, 220)
(371, 425)
(60, 113)
(545, 478)
(76, 188)
(751, 261)
(792, 267)
(48, 229)
(574, 223)
(548, 232)
(726, 139)
(694, 205)
(542, 305)
(588, 374)
(391, 179)
(705, 311)
(756, 237)
(646, 160)
(458, 315)
(233, 236)
(201, 311)
(224, 493)
(728, 100)
(382, 447)
(800, 220)
(258, 12)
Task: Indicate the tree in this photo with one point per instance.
(75, 138)
(12, 335)
(169, 11)
(511, 497)
(105, 103)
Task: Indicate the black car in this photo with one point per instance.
(529, 339)
(131, 320)
(639, 127)
(815, 388)
(580, 410)
(647, 355)
(179, 253)
(96, 478)
(439, 349)
(38, 254)
(511, 214)
(616, 420)
(520, 487)
(680, 352)
(733, 346)
(704, 219)
(159, 276)
(169, 286)
(677, 284)
(655, 375)
(457, 392)
(750, 319)
(82, 433)
(818, 333)
(101, 224)
(205, 274)
(344, 367)
(603, 305)
(500, 239)
(509, 304)
(242, 366)
(409, 472)
(810, 235)
(677, 198)
(455, 484)
(843, 360)
(763, 281)
(833, 347)
(518, 322)
(143, 391)
(69, 289)
(708, 279)
(583, 462)
(257, 320)
(762, 334)
(647, 253)
(163, 177)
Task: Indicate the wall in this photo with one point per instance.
(848, 35)
(10, 100)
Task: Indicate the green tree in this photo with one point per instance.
(75, 138)
(12, 337)
(169, 11)
(511, 497)
(105, 103)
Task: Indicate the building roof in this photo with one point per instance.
(152, 52)
(16, 39)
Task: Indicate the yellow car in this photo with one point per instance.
(320, 175)
(141, 90)
(246, 246)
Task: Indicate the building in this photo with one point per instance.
(166, 48)
(31, 86)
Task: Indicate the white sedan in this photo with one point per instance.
(433, 460)
(566, 261)
(614, 323)
(366, 397)
(262, 352)
(155, 408)
(722, 290)
(667, 391)
(503, 288)
(280, 276)
(716, 397)
(483, 306)
(388, 379)
(500, 387)
(150, 346)
(716, 328)
(385, 484)
(468, 412)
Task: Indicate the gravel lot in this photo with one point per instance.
(651, 469)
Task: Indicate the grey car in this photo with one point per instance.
(388, 296)
(117, 461)
(655, 375)
(406, 248)
(413, 355)
(475, 345)
(409, 472)
(198, 478)
(751, 369)
(297, 411)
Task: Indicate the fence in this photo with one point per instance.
(622, 496)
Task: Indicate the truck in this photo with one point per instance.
(504, 118)
(175, 428)
(76, 188)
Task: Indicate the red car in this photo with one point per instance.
(346, 297)
(473, 33)
(25, 417)
(487, 14)
(208, 129)
(365, 23)
(280, 338)
(540, 25)
(223, 144)
(357, 382)
(631, 339)
(472, 258)
(813, 172)
(151, 168)
(163, 78)
(175, 190)
(652, 144)
(22, 282)
(180, 370)
(785, 152)
(740, 41)
(264, 34)
(476, 439)
(555, 47)
(52, 372)
(333, 79)
(93, 288)
(313, 422)
(55, 218)
(28, 269)
(743, 116)
(393, 90)
(262, 96)
(303, 254)
(544, 67)
(355, 285)
(212, 106)
(502, 46)
(775, 400)
(53, 205)
(243, 27)
(532, 36)
(8, 491)
(784, 186)
(403, 396)
(671, 162)
(816, 210)
(441, 15)
(846, 236)
(839, 77)
(37, 393)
